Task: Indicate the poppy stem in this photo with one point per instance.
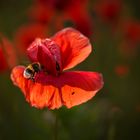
(56, 128)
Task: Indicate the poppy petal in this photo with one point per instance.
(80, 87)
(74, 87)
(69, 89)
(74, 47)
(47, 53)
(37, 94)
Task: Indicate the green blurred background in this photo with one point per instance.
(113, 114)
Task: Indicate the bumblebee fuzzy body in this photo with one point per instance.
(31, 70)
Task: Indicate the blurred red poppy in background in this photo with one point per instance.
(8, 56)
(122, 70)
(26, 34)
(52, 87)
(130, 30)
(108, 10)
(50, 11)
(41, 12)
(3, 65)
(78, 13)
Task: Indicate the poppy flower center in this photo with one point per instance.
(47, 53)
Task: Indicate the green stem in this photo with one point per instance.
(56, 128)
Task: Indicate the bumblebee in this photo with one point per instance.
(31, 70)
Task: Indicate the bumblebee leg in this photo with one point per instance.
(32, 79)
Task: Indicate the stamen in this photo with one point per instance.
(57, 66)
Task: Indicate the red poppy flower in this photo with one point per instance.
(122, 70)
(52, 11)
(130, 38)
(7, 54)
(131, 31)
(26, 34)
(61, 4)
(77, 11)
(53, 86)
(40, 12)
(78, 21)
(3, 65)
(108, 10)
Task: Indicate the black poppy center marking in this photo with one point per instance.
(57, 66)
(73, 93)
